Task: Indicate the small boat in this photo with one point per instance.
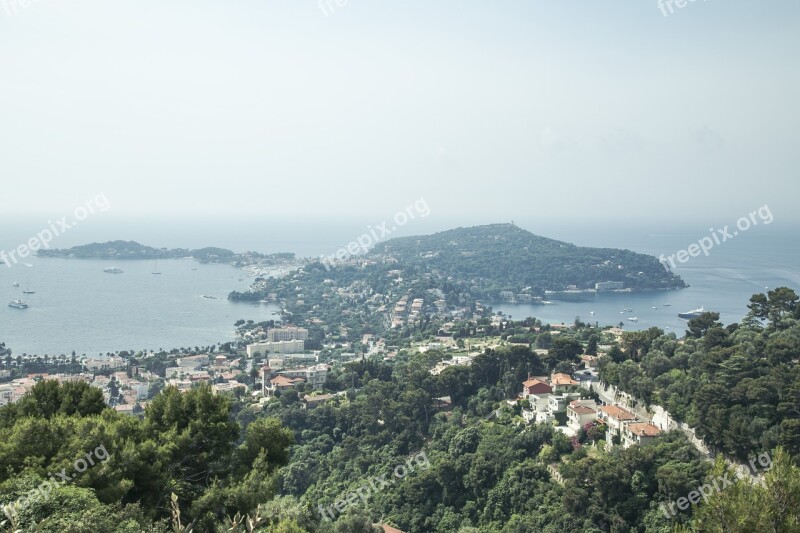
(591, 313)
(694, 313)
(654, 307)
(666, 305)
(112, 270)
(627, 310)
(207, 297)
(155, 270)
(18, 304)
(15, 284)
(27, 287)
(633, 318)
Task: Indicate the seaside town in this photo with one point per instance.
(274, 360)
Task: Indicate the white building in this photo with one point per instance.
(580, 412)
(609, 286)
(315, 375)
(287, 334)
(193, 361)
(455, 361)
(109, 363)
(7, 394)
(229, 387)
(291, 346)
(615, 418)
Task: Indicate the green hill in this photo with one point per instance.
(504, 257)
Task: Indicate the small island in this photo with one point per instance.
(132, 250)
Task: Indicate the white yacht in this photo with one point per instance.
(18, 304)
(112, 270)
(694, 313)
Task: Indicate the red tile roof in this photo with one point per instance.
(563, 379)
(618, 412)
(283, 380)
(533, 383)
(644, 429)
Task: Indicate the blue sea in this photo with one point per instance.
(77, 307)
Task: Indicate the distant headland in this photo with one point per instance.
(131, 250)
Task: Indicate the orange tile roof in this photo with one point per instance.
(581, 409)
(644, 429)
(532, 382)
(283, 380)
(618, 412)
(563, 379)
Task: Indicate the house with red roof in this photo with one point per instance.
(562, 382)
(580, 412)
(535, 386)
(639, 433)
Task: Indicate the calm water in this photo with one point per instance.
(723, 282)
(78, 307)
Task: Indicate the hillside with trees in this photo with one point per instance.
(737, 385)
(502, 257)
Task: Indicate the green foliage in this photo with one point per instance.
(744, 507)
(48, 398)
(564, 350)
(185, 444)
(738, 386)
(528, 260)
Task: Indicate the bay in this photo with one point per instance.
(76, 306)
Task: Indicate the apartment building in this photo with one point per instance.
(287, 334)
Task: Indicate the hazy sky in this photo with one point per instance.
(573, 109)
